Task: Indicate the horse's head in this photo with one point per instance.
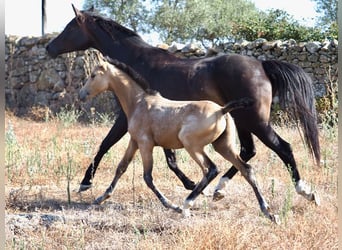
(74, 36)
(90, 30)
(97, 83)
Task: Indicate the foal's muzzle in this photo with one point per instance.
(83, 94)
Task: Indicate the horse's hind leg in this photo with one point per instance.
(121, 169)
(283, 149)
(171, 162)
(247, 152)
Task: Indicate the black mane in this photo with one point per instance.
(141, 81)
(111, 27)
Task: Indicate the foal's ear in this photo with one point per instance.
(79, 15)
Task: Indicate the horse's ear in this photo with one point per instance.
(78, 14)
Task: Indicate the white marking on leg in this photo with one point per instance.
(186, 208)
(222, 183)
(303, 189)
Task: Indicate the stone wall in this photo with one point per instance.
(35, 81)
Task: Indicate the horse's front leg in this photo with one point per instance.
(121, 169)
(146, 155)
(171, 162)
(118, 130)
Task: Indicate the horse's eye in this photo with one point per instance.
(93, 76)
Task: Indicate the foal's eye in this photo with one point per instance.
(92, 76)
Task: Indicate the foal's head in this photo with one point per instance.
(98, 82)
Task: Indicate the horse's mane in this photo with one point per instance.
(110, 26)
(141, 81)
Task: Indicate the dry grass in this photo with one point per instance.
(46, 161)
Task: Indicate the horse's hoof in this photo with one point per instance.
(84, 188)
(275, 218)
(218, 195)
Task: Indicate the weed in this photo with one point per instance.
(287, 205)
(68, 115)
(327, 106)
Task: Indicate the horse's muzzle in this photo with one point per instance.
(51, 52)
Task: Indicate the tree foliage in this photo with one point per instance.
(130, 13)
(273, 25)
(328, 11)
(200, 20)
(211, 22)
(328, 18)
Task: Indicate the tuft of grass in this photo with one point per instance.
(68, 115)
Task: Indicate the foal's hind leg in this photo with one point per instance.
(171, 162)
(209, 173)
(228, 151)
(122, 167)
(247, 152)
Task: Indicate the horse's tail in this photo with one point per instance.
(237, 104)
(295, 90)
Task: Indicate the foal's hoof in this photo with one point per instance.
(84, 187)
(186, 213)
(218, 195)
(101, 199)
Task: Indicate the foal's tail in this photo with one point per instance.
(295, 90)
(237, 104)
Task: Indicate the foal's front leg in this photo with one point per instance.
(122, 167)
(146, 155)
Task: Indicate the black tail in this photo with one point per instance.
(295, 90)
(237, 104)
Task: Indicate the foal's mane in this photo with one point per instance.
(137, 78)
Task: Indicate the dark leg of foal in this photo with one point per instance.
(171, 162)
(115, 134)
(247, 152)
(122, 167)
(221, 145)
(212, 172)
(146, 156)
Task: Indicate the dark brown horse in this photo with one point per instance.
(219, 79)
